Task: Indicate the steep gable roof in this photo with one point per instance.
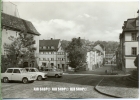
(17, 24)
(99, 48)
(130, 25)
(47, 43)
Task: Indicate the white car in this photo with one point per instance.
(17, 74)
(53, 72)
(40, 75)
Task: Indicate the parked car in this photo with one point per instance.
(53, 72)
(40, 75)
(17, 74)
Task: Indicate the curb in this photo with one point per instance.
(95, 88)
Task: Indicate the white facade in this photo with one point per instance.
(57, 59)
(94, 59)
(128, 45)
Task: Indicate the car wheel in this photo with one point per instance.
(5, 80)
(39, 78)
(56, 75)
(25, 80)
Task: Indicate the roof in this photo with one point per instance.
(99, 48)
(130, 25)
(15, 68)
(52, 42)
(17, 24)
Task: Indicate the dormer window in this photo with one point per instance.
(44, 47)
(52, 47)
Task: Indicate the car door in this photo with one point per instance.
(16, 75)
(9, 74)
(52, 73)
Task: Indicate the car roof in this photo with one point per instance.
(30, 68)
(15, 68)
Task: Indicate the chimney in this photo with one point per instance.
(51, 38)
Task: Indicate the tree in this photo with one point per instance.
(76, 53)
(19, 49)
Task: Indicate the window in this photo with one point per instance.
(16, 71)
(134, 36)
(44, 52)
(44, 58)
(52, 59)
(44, 47)
(41, 52)
(32, 70)
(134, 51)
(9, 70)
(52, 47)
(48, 59)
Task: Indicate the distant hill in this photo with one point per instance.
(107, 45)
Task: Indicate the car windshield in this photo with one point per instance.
(23, 70)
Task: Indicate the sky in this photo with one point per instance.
(89, 20)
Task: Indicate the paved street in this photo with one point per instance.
(19, 90)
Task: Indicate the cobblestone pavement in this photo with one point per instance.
(65, 88)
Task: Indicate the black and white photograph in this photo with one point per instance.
(65, 49)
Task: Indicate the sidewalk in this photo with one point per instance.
(118, 87)
(100, 71)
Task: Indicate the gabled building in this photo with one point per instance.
(129, 44)
(12, 26)
(51, 54)
(95, 57)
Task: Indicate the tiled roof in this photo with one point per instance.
(130, 25)
(53, 42)
(17, 24)
(99, 48)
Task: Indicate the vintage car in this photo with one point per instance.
(40, 75)
(53, 72)
(17, 74)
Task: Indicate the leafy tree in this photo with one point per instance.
(65, 44)
(76, 53)
(20, 48)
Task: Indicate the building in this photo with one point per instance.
(108, 56)
(129, 44)
(11, 26)
(51, 54)
(95, 57)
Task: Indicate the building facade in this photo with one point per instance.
(129, 48)
(51, 54)
(12, 26)
(95, 57)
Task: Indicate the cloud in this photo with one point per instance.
(90, 20)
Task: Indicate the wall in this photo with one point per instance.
(10, 8)
(128, 47)
(130, 62)
(5, 35)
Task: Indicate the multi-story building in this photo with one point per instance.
(108, 56)
(51, 54)
(95, 57)
(129, 44)
(12, 25)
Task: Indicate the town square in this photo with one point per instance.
(65, 49)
